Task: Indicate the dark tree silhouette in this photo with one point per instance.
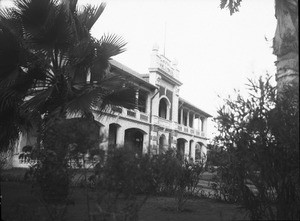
(51, 66)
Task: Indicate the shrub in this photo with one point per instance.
(176, 177)
(260, 136)
(120, 181)
(187, 182)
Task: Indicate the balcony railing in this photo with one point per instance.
(130, 114)
(162, 122)
(175, 126)
(144, 117)
(185, 129)
(116, 109)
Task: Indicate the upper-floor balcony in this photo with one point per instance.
(171, 125)
(132, 114)
(190, 130)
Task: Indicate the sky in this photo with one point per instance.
(216, 52)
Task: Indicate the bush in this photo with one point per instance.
(120, 181)
(125, 180)
(53, 179)
(177, 178)
(187, 181)
(260, 165)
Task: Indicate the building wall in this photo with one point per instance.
(158, 133)
(124, 124)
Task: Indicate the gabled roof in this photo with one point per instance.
(131, 74)
(193, 107)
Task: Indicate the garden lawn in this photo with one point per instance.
(18, 203)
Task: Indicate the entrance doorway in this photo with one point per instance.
(134, 139)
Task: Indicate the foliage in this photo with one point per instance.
(125, 180)
(260, 167)
(52, 68)
(51, 181)
(52, 177)
(47, 56)
(73, 137)
(167, 168)
(120, 180)
(214, 156)
(5, 156)
(66, 142)
(177, 178)
(232, 5)
(187, 182)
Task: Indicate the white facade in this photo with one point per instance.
(159, 120)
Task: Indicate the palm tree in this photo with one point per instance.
(285, 43)
(51, 66)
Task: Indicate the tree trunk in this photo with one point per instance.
(285, 43)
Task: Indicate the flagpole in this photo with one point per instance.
(165, 33)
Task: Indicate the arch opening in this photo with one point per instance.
(198, 152)
(163, 108)
(112, 135)
(134, 139)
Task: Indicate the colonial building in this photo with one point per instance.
(158, 120)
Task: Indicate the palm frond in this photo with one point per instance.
(119, 95)
(34, 13)
(122, 98)
(9, 57)
(80, 58)
(90, 14)
(97, 95)
(38, 103)
(9, 133)
(55, 34)
(72, 5)
(46, 52)
(9, 19)
(93, 56)
(85, 98)
(110, 45)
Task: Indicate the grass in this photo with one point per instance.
(18, 203)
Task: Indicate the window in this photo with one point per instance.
(163, 108)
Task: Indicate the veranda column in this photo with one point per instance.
(193, 121)
(120, 136)
(181, 116)
(188, 119)
(186, 149)
(148, 100)
(204, 125)
(136, 99)
(201, 120)
(145, 143)
(193, 151)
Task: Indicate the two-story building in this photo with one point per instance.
(158, 120)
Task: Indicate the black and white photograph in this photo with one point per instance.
(149, 110)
